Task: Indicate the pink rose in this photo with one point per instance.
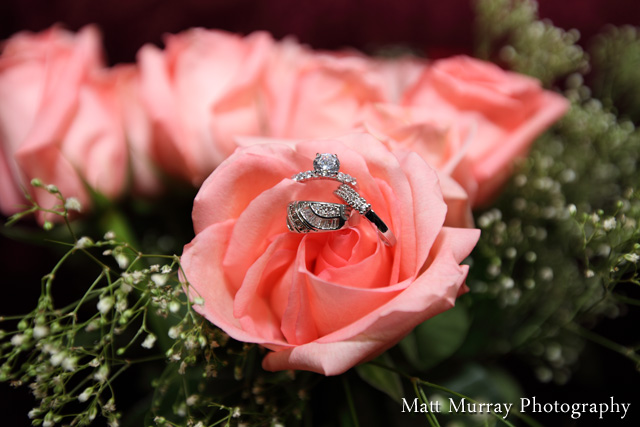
(59, 118)
(499, 111)
(322, 302)
(145, 173)
(200, 92)
(316, 95)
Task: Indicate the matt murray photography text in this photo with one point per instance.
(526, 405)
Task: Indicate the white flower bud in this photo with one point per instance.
(149, 341)
(159, 279)
(105, 304)
(84, 242)
(85, 395)
(72, 204)
(18, 339)
(40, 331)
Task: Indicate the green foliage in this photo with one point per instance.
(509, 32)
(616, 70)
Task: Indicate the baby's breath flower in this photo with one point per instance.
(634, 258)
(122, 260)
(72, 204)
(166, 269)
(102, 374)
(192, 400)
(174, 332)
(18, 339)
(149, 341)
(57, 358)
(84, 242)
(70, 363)
(40, 331)
(198, 301)
(174, 306)
(159, 279)
(52, 189)
(609, 224)
(155, 268)
(105, 304)
(86, 394)
(109, 235)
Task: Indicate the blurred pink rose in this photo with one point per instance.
(500, 113)
(201, 92)
(59, 118)
(145, 174)
(313, 94)
(323, 302)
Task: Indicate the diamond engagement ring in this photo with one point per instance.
(304, 216)
(357, 202)
(325, 166)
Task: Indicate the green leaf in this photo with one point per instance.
(383, 379)
(491, 384)
(436, 339)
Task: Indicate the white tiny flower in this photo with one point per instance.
(155, 268)
(94, 363)
(236, 412)
(69, 363)
(174, 332)
(33, 413)
(192, 400)
(84, 242)
(198, 301)
(609, 224)
(121, 305)
(149, 341)
(57, 358)
(174, 306)
(85, 395)
(52, 188)
(102, 374)
(589, 274)
(166, 269)
(634, 258)
(18, 339)
(122, 260)
(72, 204)
(159, 279)
(508, 283)
(48, 423)
(105, 304)
(572, 209)
(109, 235)
(40, 331)
(126, 288)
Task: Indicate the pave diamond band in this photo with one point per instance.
(304, 216)
(359, 203)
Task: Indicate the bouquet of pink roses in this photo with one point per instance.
(343, 206)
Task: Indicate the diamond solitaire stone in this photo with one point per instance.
(326, 164)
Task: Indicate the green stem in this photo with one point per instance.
(352, 408)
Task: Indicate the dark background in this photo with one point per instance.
(436, 28)
(432, 28)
